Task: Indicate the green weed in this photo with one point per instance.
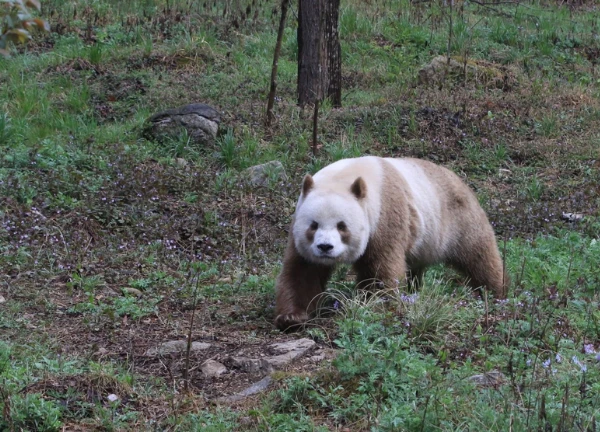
(534, 189)
(228, 149)
(5, 129)
(95, 55)
(30, 412)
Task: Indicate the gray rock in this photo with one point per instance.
(261, 175)
(290, 350)
(489, 379)
(572, 217)
(132, 291)
(212, 368)
(253, 389)
(201, 122)
(318, 358)
(293, 345)
(489, 74)
(249, 365)
(175, 346)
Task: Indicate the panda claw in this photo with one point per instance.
(290, 322)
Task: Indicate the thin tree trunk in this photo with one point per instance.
(315, 132)
(319, 53)
(334, 53)
(271, 99)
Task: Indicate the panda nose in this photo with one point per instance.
(325, 247)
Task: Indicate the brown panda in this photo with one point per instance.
(386, 217)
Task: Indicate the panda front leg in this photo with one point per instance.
(377, 270)
(297, 288)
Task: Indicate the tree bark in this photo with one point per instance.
(319, 52)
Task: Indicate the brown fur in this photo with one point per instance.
(474, 250)
(297, 286)
(468, 244)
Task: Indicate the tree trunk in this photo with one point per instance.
(319, 52)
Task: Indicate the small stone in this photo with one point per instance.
(249, 365)
(175, 346)
(132, 291)
(289, 351)
(212, 368)
(260, 175)
(253, 389)
(246, 421)
(2, 299)
(257, 386)
(101, 351)
(112, 397)
(572, 217)
(489, 379)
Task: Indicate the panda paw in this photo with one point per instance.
(290, 322)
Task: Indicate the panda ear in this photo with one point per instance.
(307, 184)
(359, 188)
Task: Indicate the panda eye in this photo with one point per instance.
(341, 226)
(314, 226)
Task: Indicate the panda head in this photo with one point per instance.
(331, 224)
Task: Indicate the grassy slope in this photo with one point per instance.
(88, 208)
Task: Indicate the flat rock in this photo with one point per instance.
(293, 345)
(290, 350)
(261, 175)
(255, 388)
(249, 365)
(212, 368)
(175, 346)
(200, 121)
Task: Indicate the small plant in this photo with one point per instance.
(548, 127)
(29, 412)
(431, 312)
(5, 129)
(228, 149)
(132, 307)
(218, 421)
(180, 147)
(348, 147)
(87, 284)
(501, 153)
(95, 54)
(534, 189)
(225, 180)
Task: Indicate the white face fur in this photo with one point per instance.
(330, 228)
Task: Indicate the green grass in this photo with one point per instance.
(108, 241)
